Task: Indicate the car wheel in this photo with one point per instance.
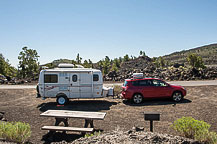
(177, 96)
(137, 98)
(62, 100)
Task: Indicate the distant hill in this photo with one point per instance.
(207, 52)
(55, 63)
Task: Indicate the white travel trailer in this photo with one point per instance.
(65, 82)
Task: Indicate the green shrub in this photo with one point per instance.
(195, 61)
(195, 129)
(117, 89)
(212, 138)
(92, 134)
(15, 131)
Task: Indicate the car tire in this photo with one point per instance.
(62, 100)
(137, 98)
(177, 96)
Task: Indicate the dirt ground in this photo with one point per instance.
(21, 105)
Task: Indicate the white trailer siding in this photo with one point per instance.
(98, 85)
(86, 85)
(72, 82)
(51, 88)
(74, 85)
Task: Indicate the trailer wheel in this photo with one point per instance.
(62, 100)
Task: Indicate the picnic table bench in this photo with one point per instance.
(64, 115)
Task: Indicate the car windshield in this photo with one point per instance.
(125, 83)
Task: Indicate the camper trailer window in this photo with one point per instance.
(95, 77)
(74, 78)
(50, 78)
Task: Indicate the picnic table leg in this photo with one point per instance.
(87, 122)
(64, 120)
(57, 122)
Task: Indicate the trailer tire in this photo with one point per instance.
(62, 100)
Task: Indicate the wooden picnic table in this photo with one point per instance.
(74, 114)
(64, 115)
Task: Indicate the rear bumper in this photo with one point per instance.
(124, 95)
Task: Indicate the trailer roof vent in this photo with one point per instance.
(65, 65)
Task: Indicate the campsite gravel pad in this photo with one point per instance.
(21, 105)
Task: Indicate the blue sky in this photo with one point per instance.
(99, 28)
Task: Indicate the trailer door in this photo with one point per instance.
(86, 85)
(75, 85)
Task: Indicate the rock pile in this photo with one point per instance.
(134, 136)
(145, 65)
(182, 73)
(142, 63)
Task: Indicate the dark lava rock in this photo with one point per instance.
(133, 136)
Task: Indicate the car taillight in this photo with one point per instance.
(124, 89)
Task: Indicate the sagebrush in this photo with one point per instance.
(15, 131)
(195, 129)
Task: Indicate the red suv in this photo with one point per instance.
(138, 89)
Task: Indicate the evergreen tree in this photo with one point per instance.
(106, 65)
(86, 64)
(195, 61)
(90, 63)
(78, 59)
(5, 67)
(142, 53)
(161, 61)
(126, 58)
(28, 63)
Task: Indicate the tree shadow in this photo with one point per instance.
(78, 105)
(154, 102)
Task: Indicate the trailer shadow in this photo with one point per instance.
(78, 105)
(154, 102)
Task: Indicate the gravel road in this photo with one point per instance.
(183, 83)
